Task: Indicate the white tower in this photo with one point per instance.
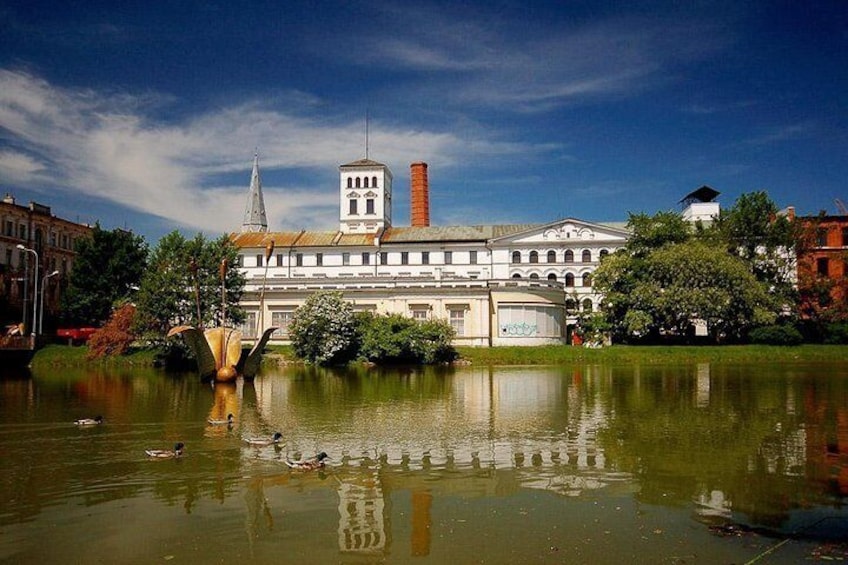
(365, 203)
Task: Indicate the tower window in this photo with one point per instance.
(366, 182)
(349, 182)
(352, 207)
(358, 182)
(369, 206)
(374, 182)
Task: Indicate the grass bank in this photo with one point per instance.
(649, 355)
(64, 355)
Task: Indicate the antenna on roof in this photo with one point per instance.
(366, 132)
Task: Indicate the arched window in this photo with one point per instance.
(516, 276)
(551, 277)
(374, 182)
(569, 279)
(552, 256)
(569, 256)
(534, 275)
(570, 305)
(587, 279)
(604, 253)
(587, 304)
(587, 256)
(516, 256)
(358, 182)
(365, 182)
(350, 182)
(534, 257)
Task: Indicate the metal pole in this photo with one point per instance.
(41, 306)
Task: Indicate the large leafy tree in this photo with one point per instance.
(323, 330)
(106, 271)
(660, 288)
(183, 284)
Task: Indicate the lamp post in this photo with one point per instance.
(23, 247)
(41, 306)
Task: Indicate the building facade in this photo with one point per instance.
(822, 273)
(31, 235)
(515, 284)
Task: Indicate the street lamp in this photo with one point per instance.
(35, 282)
(41, 306)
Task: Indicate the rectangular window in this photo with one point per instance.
(457, 320)
(352, 207)
(279, 259)
(22, 231)
(240, 261)
(448, 257)
(472, 257)
(298, 259)
(369, 206)
(259, 260)
(420, 312)
(404, 258)
(822, 266)
(345, 258)
(821, 237)
(319, 259)
(10, 228)
(366, 258)
(844, 237)
(384, 258)
(425, 257)
(528, 320)
(248, 327)
(281, 320)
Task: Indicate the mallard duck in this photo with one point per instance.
(166, 453)
(264, 440)
(89, 421)
(229, 421)
(309, 464)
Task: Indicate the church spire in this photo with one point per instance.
(254, 213)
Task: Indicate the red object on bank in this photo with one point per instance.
(75, 335)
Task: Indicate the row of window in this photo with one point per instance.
(365, 258)
(821, 237)
(586, 279)
(353, 207)
(19, 231)
(361, 182)
(551, 256)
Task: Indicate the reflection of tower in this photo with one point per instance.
(362, 521)
(421, 503)
(702, 379)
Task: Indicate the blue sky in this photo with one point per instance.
(146, 115)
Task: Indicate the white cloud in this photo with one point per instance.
(107, 146)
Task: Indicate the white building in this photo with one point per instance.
(517, 284)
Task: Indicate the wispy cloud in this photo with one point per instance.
(107, 146)
(801, 130)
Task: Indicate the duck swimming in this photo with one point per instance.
(229, 421)
(264, 440)
(309, 464)
(166, 453)
(89, 421)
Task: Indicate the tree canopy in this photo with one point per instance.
(106, 271)
(183, 284)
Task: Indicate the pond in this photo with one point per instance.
(572, 464)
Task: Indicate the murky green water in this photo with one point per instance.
(580, 464)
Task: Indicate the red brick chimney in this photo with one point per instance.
(420, 198)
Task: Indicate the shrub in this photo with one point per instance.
(323, 330)
(397, 339)
(115, 337)
(776, 335)
(836, 333)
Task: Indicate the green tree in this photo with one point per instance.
(106, 271)
(394, 338)
(183, 285)
(655, 292)
(324, 329)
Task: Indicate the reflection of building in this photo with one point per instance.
(362, 519)
(52, 238)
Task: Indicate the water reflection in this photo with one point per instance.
(432, 450)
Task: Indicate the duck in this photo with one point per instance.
(229, 421)
(316, 462)
(264, 440)
(89, 421)
(166, 453)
